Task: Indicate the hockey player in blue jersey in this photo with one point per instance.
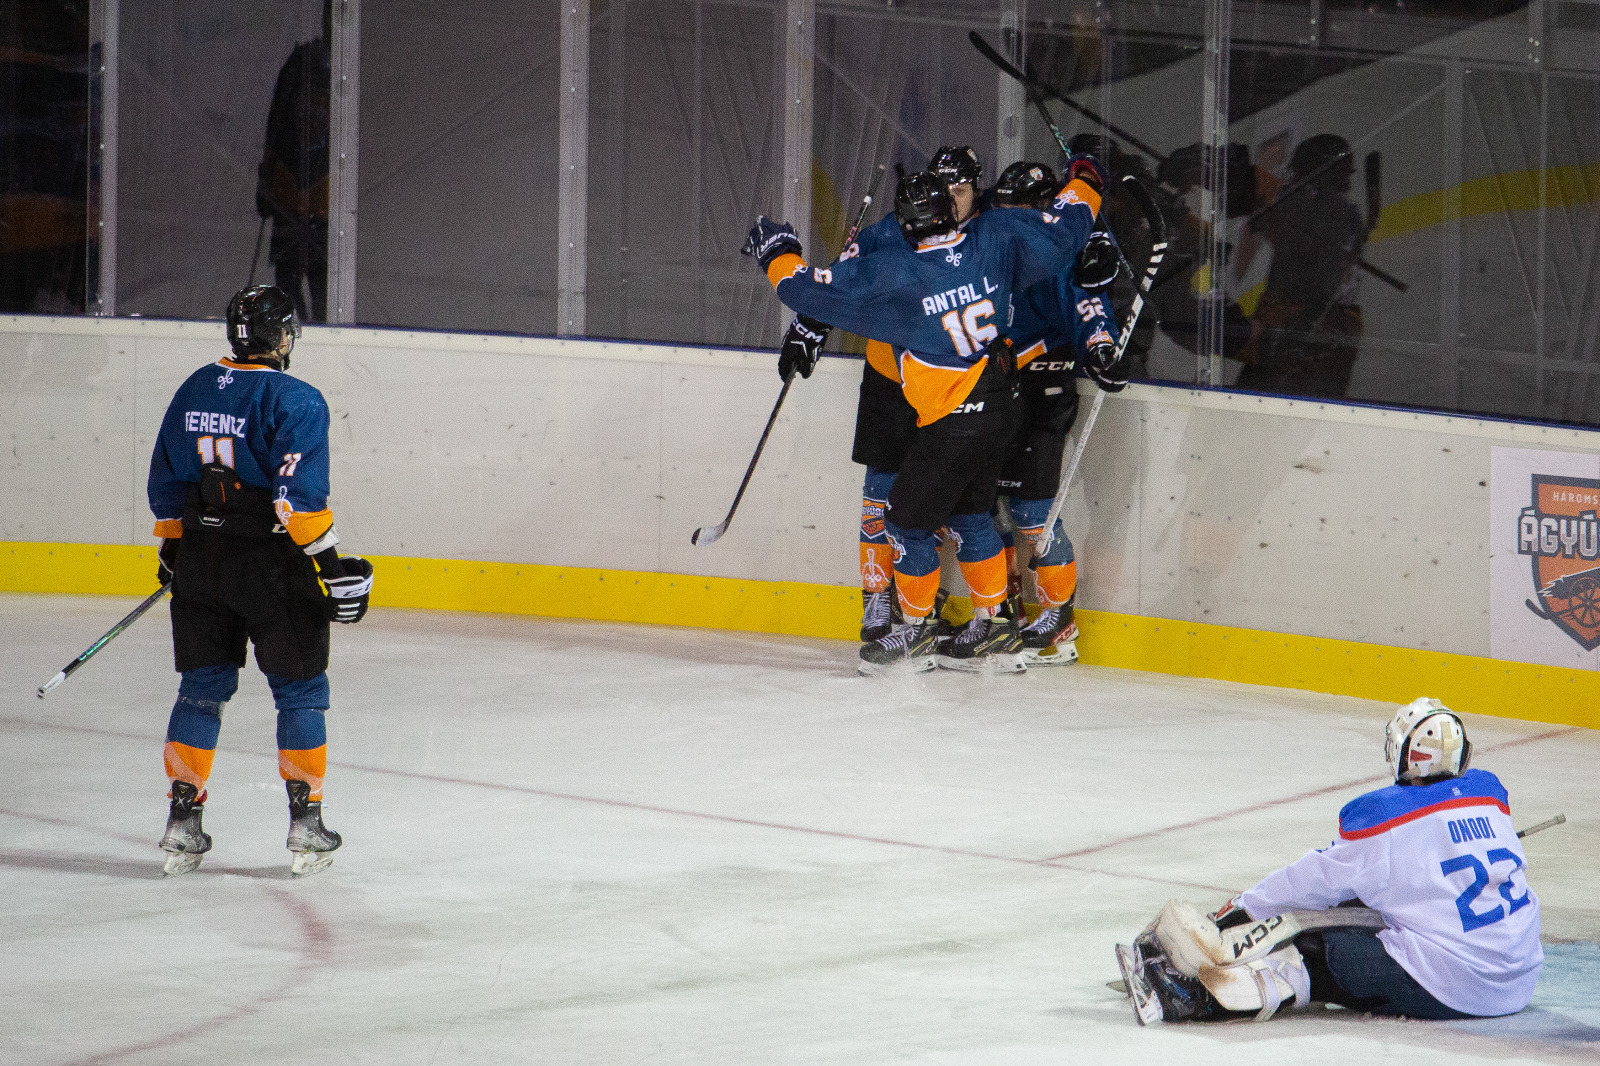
(1052, 323)
(885, 421)
(1420, 908)
(941, 299)
(239, 486)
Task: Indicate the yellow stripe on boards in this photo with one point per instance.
(1466, 683)
(1514, 190)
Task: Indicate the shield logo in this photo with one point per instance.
(1560, 533)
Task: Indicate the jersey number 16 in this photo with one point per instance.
(966, 331)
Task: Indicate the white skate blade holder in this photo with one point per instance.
(920, 664)
(1146, 1007)
(181, 862)
(306, 863)
(1055, 655)
(997, 662)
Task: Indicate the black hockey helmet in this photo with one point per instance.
(1098, 263)
(957, 164)
(258, 317)
(1328, 153)
(1025, 184)
(923, 207)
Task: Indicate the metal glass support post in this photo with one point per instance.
(100, 271)
(1009, 146)
(1537, 29)
(1450, 254)
(572, 206)
(798, 40)
(343, 161)
(1213, 192)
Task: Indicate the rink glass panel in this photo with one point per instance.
(1486, 119)
(459, 128)
(195, 87)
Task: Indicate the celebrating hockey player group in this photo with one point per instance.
(977, 306)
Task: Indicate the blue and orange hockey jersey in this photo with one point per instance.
(942, 303)
(270, 428)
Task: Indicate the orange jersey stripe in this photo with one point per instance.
(935, 391)
(167, 528)
(1030, 355)
(785, 266)
(880, 357)
(306, 526)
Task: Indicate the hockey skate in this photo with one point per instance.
(914, 642)
(311, 843)
(1051, 639)
(1146, 1007)
(987, 638)
(184, 841)
(877, 614)
(1158, 990)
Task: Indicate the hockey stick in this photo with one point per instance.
(1038, 91)
(716, 531)
(111, 634)
(255, 256)
(1548, 823)
(1158, 249)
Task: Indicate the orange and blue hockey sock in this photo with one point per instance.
(196, 723)
(877, 556)
(981, 554)
(1055, 573)
(302, 729)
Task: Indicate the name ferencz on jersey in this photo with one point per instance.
(213, 422)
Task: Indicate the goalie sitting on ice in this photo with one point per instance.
(1421, 908)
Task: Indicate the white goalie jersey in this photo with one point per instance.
(1442, 864)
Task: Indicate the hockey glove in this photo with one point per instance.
(1105, 367)
(769, 239)
(1087, 169)
(348, 594)
(167, 560)
(801, 346)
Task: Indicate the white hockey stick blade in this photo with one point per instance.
(52, 683)
(181, 862)
(1548, 823)
(702, 536)
(307, 863)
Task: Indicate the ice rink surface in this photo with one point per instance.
(573, 842)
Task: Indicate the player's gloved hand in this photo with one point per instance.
(1087, 169)
(1097, 264)
(769, 239)
(1105, 367)
(167, 560)
(801, 346)
(348, 594)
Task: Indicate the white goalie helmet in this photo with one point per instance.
(1426, 740)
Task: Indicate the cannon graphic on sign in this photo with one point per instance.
(1582, 593)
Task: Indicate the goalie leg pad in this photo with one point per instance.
(1262, 985)
(1189, 938)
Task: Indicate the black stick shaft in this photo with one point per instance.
(110, 635)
